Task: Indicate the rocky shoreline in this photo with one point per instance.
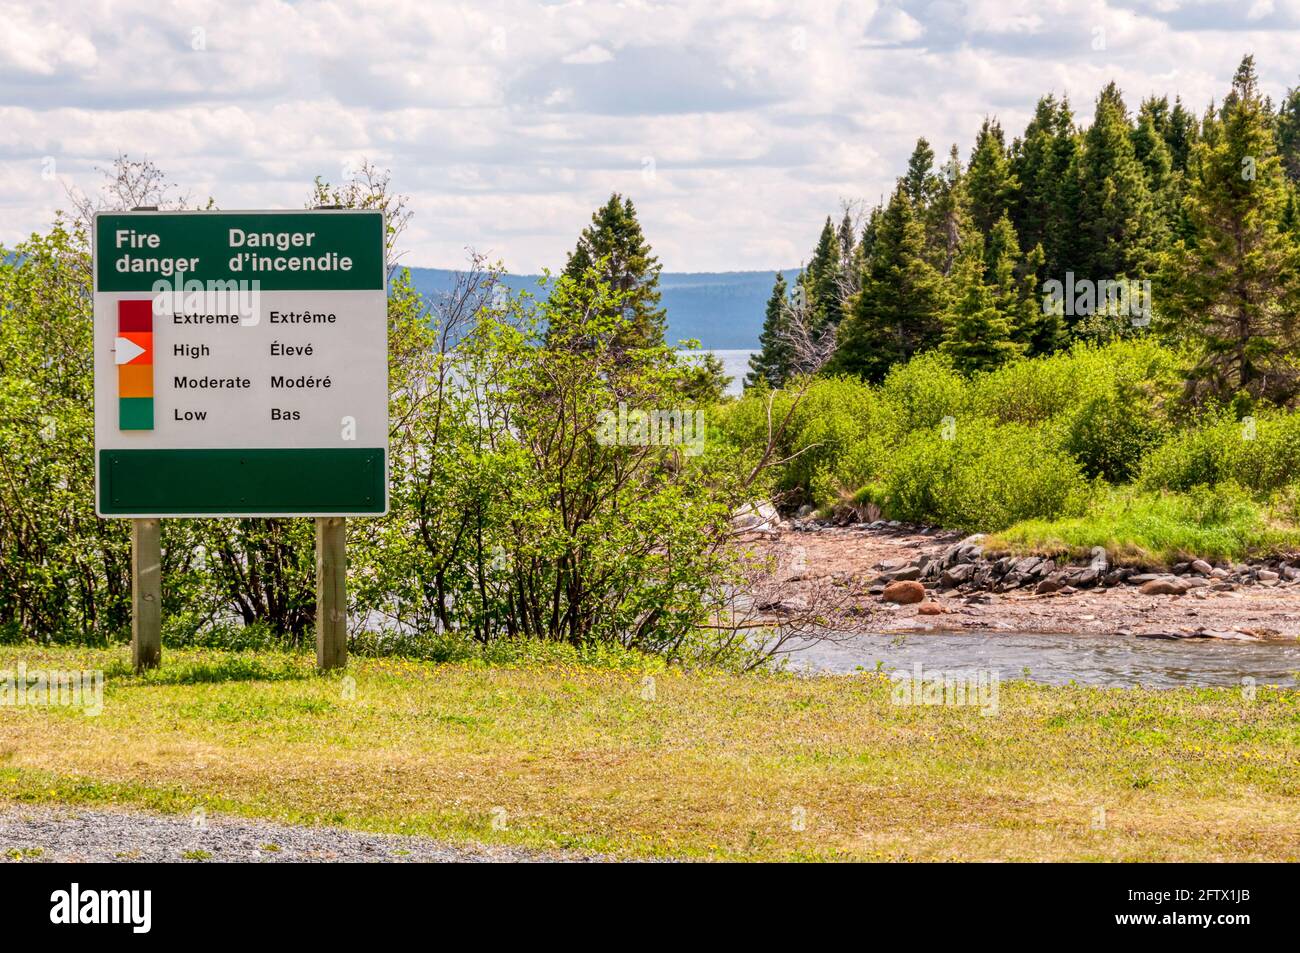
(900, 577)
(965, 566)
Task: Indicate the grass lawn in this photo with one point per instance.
(713, 766)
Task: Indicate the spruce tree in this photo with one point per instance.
(1042, 160)
(1015, 280)
(1234, 287)
(1121, 229)
(821, 279)
(948, 217)
(848, 242)
(919, 180)
(867, 243)
(1152, 152)
(977, 333)
(898, 311)
(990, 182)
(1288, 134)
(1181, 135)
(771, 365)
(614, 245)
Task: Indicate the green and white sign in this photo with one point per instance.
(241, 364)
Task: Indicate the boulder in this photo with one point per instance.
(755, 517)
(1030, 566)
(957, 575)
(1163, 587)
(1202, 567)
(1053, 583)
(1084, 577)
(930, 608)
(904, 593)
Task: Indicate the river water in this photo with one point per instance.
(1110, 660)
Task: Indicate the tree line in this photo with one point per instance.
(1206, 209)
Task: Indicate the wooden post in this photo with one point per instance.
(146, 594)
(331, 593)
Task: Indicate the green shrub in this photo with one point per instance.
(985, 477)
(919, 394)
(1261, 454)
(1110, 434)
(836, 437)
(1061, 385)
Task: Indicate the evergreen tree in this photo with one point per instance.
(948, 217)
(771, 365)
(1291, 215)
(977, 334)
(868, 241)
(821, 279)
(1152, 152)
(898, 311)
(1119, 221)
(1015, 281)
(1046, 207)
(1181, 135)
(616, 247)
(1234, 288)
(990, 182)
(848, 242)
(1288, 134)
(920, 181)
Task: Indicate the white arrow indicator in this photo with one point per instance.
(125, 350)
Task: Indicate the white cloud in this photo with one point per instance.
(508, 122)
(591, 53)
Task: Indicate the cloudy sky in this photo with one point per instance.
(735, 125)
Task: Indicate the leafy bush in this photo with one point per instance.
(835, 437)
(1261, 454)
(985, 477)
(1110, 434)
(919, 394)
(1141, 372)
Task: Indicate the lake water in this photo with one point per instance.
(735, 363)
(1111, 660)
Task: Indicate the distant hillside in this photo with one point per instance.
(720, 309)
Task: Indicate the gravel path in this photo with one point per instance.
(49, 834)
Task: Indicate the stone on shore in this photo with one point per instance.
(905, 592)
(1163, 587)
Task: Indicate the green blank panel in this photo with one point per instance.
(135, 413)
(241, 482)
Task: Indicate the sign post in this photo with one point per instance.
(241, 370)
(331, 593)
(146, 594)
